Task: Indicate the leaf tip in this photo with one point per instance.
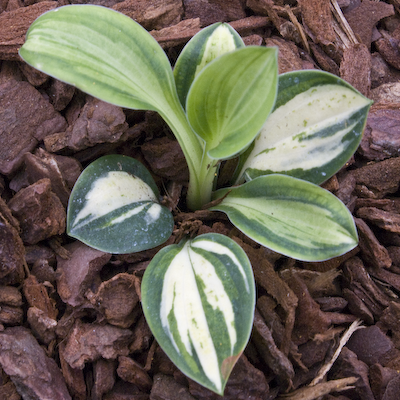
(227, 366)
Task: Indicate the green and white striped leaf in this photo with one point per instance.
(316, 126)
(290, 216)
(114, 207)
(205, 46)
(231, 98)
(104, 53)
(198, 298)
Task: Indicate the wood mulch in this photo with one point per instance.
(71, 324)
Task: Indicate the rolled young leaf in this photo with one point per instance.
(231, 98)
(316, 126)
(290, 216)
(114, 207)
(205, 46)
(198, 298)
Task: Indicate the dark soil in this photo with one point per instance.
(71, 324)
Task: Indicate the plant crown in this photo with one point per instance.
(223, 101)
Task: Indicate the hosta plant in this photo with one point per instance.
(222, 101)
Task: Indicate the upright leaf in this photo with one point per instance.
(102, 52)
(198, 299)
(290, 216)
(315, 128)
(110, 56)
(231, 98)
(114, 207)
(205, 46)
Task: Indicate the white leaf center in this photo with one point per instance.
(115, 190)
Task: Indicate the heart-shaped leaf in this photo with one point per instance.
(104, 53)
(231, 98)
(114, 207)
(198, 299)
(205, 46)
(290, 216)
(316, 126)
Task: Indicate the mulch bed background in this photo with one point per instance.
(71, 324)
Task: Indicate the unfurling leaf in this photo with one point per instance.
(231, 98)
(316, 126)
(198, 299)
(114, 207)
(290, 216)
(208, 44)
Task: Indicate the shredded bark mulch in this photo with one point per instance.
(71, 324)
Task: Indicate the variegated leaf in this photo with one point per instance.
(104, 53)
(114, 207)
(290, 216)
(205, 46)
(108, 55)
(315, 128)
(198, 299)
